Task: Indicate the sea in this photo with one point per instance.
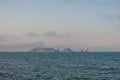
(60, 66)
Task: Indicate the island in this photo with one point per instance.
(44, 50)
(67, 50)
(38, 49)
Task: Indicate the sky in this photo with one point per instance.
(77, 24)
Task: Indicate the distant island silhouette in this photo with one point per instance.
(38, 49)
(41, 49)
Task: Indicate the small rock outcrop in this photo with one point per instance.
(67, 50)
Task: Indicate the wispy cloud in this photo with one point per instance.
(21, 46)
(4, 38)
(32, 34)
(73, 2)
(118, 17)
(59, 46)
(50, 34)
(115, 17)
(93, 2)
(46, 34)
(70, 1)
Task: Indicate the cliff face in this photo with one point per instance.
(44, 50)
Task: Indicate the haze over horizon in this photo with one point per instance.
(77, 24)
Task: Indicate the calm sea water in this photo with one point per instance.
(59, 66)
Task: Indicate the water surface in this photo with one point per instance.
(59, 66)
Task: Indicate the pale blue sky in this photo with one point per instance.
(78, 24)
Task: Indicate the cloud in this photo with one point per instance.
(50, 34)
(4, 38)
(53, 34)
(93, 2)
(32, 34)
(118, 17)
(59, 46)
(46, 34)
(115, 17)
(39, 44)
(21, 46)
(70, 2)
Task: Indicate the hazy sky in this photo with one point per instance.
(78, 24)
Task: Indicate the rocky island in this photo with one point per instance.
(44, 50)
(38, 49)
(67, 50)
